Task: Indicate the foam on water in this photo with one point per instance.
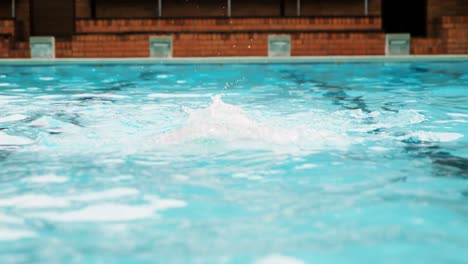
(53, 125)
(94, 206)
(7, 140)
(306, 166)
(46, 201)
(279, 259)
(45, 179)
(110, 212)
(104, 195)
(230, 123)
(10, 234)
(458, 115)
(434, 136)
(6, 219)
(231, 126)
(46, 78)
(53, 96)
(175, 95)
(292, 159)
(12, 118)
(34, 201)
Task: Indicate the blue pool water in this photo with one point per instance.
(278, 163)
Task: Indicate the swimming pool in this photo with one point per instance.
(234, 163)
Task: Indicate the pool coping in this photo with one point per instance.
(236, 60)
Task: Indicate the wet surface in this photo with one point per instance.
(307, 163)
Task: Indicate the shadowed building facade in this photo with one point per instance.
(200, 28)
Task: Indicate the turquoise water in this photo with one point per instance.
(306, 163)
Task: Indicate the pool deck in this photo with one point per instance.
(236, 60)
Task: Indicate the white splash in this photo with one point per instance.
(247, 176)
(34, 201)
(15, 234)
(229, 123)
(8, 97)
(162, 76)
(402, 119)
(7, 140)
(52, 96)
(109, 194)
(451, 121)
(53, 125)
(46, 78)
(111, 212)
(46, 179)
(279, 259)
(6, 219)
(94, 206)
(435, 136)
(457, 115)
(13, 118)
(379, 149)
(48, 201)
(175, 95)
(306, 166)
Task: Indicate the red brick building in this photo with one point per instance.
(199, 28)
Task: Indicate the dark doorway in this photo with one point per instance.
(282, 8)
(404, 16)
(52, 18)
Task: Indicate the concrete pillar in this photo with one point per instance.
(13, 13)
(159, 8)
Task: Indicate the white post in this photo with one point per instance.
(13, 14)
(159, 8)
(229, 8)
(298, 10)
(366, 7)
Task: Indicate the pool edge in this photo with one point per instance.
(237, 60)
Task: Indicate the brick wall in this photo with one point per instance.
(424, 46)
(7, 31)
(224, 24)
(82, 8)
(4, 47)
(447, 20)
(22, 19)
(455, 34)
(321, 44)
(220, 44)
(436, 9)
(7, 26)
(20, 49)
(5, 9)
(256, 44)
